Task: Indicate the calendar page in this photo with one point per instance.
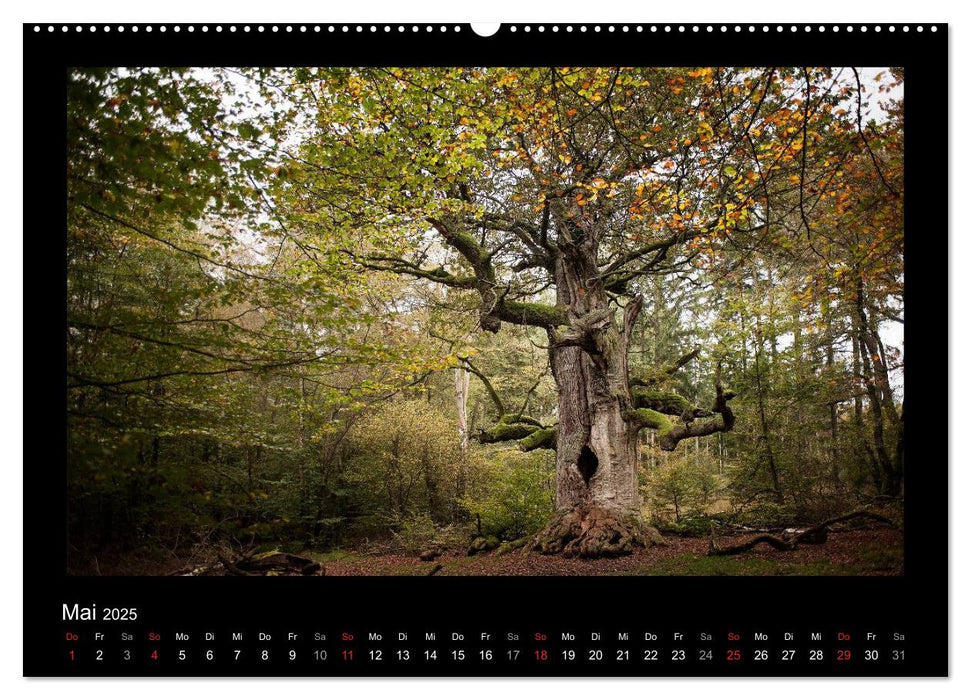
(427, 350)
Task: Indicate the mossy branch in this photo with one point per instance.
(495, 307)
(544, 438)
(510, 418)
(399, 266)
(528, 431)
(682, 361)
(671, 433)
(666, 402)
(531, 314)
(501, 432)
(660, 375)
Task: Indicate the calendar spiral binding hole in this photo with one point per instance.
(512, 28)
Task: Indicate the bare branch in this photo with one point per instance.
(493, 394)
(682, 361)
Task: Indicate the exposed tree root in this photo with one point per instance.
(483, 544)
(594, 532)
(430, 554)
(815, 534)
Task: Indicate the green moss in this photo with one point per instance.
(663, 401)
(468, 246)
(510, 418)
(418, 569)
(535, 314)
(650, 418)
(651, 377)
(507, 547)
(483, 544)
(543, 438)
(876, 559)
(692, 565)
(457, 567)
(503, 432)
(332, 556)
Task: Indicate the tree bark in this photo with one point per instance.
(889, 485)
(879, 393)
(833, 411)
(763, 421)
(597, 499)
(461, 405)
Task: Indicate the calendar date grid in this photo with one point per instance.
(344, 650)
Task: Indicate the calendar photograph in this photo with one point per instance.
(485, 321)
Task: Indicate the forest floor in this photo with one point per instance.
(863, 552)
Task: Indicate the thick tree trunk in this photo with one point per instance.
(597, 498)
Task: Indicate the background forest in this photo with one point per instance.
(265, 348)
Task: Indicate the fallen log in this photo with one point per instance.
(281, 562)
(196, 570)
(265, 564)
(814, 534)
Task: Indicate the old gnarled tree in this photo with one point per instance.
(601, 410)
(547, 195)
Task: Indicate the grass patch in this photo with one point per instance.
(870, 561)
(881, 559)
(691, 565)
(335, 555)
(458, 567)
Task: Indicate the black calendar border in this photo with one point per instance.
(917, 600)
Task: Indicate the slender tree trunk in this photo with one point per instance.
(878, 390)
(857, 375)
(834, 442)
(899, 461)
(461, 403)
(873, 346)
(833, 413)
(861, 440)
(770, 322)
(743, 352)
(304, 504)
(764, 424)
(889, 485)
